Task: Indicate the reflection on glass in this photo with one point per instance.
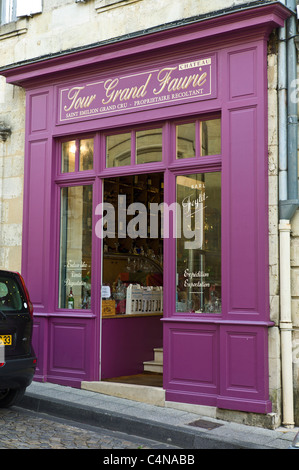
(68, 155)
(86, 154)
(75, 247)
(198, 252)
(185, 140)
(149, 146)
(210, 137)
(118, 150)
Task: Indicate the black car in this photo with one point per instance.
(17, 357)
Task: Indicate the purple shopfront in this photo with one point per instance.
(176, 116)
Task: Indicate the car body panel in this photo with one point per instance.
(16, 325)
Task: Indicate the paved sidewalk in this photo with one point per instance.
(162, 424)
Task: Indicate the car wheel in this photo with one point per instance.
(11, 396)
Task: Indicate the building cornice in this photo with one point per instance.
(257, 18)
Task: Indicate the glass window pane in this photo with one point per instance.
(86, 154)
(118, 150)
(149, 146)
(75, 247)
(210, 137)
(68, 156)
(185, 140)
(198, 256)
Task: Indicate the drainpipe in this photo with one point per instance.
(288, 199)
(286, 325)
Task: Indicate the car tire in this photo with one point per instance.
(11, 396)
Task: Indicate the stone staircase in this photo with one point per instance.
(157, 364)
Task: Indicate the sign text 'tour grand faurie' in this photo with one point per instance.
(170, 85)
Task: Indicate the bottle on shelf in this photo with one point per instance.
(71, 300)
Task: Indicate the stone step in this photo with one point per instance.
(153, 366)
(142, 393)
(158, 354)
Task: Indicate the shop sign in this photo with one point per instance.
(186, 81)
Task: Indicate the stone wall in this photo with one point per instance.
(274, 335)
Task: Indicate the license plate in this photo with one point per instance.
(6, 340)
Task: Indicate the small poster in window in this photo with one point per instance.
(106, 292)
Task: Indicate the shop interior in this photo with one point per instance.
(132, 281)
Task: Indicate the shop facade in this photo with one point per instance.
(177, 116)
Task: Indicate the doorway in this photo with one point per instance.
(132, 280)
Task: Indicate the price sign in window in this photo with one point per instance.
(198, 250)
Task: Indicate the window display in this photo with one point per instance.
(198, 249)
(132, 265)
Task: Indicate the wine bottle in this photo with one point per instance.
(71, 300)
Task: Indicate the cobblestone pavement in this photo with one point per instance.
(22, 429)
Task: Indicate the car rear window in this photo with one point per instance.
(12, 298)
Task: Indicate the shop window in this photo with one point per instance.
(198, 138)
(86, 154)
(149, 146)
(198, 250)
(118, 150)
(77, 155)
(185, 140)
(75, 247)
(145, 146)
(68, 155)
(210, 137)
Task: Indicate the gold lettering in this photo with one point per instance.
(78, 101)
(109, 85)
(174, 84)
(142, 90)
(112, 93)
(181, 83)
(164, 79)
(201, 80)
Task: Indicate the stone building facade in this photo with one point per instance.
(49, 28)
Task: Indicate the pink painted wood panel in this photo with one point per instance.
(244, 188)
(127, 342)
(244, 368)
(71, 353)
(37, 211)
(191, 352)
(39, 112)
(242, 73)
(243, 203)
